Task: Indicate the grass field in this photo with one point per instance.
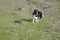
(47, 29)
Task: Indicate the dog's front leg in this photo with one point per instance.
(38, 20)
(33, 20)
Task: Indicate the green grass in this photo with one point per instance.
(58, 0)
(26, 30)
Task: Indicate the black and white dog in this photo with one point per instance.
(37, 15)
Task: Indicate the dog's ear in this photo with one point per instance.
(35, 10)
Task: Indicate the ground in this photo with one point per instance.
(16, 20)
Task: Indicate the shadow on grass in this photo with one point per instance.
(21, 20)
(18, 21)
(27, 20)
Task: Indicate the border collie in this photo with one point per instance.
(37, 15)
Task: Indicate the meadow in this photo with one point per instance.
(16, 20)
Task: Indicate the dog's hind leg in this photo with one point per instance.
(36, 19)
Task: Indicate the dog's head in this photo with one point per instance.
(35, 10)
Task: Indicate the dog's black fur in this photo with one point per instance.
(37, 14)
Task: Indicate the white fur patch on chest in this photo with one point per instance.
(35, 17)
